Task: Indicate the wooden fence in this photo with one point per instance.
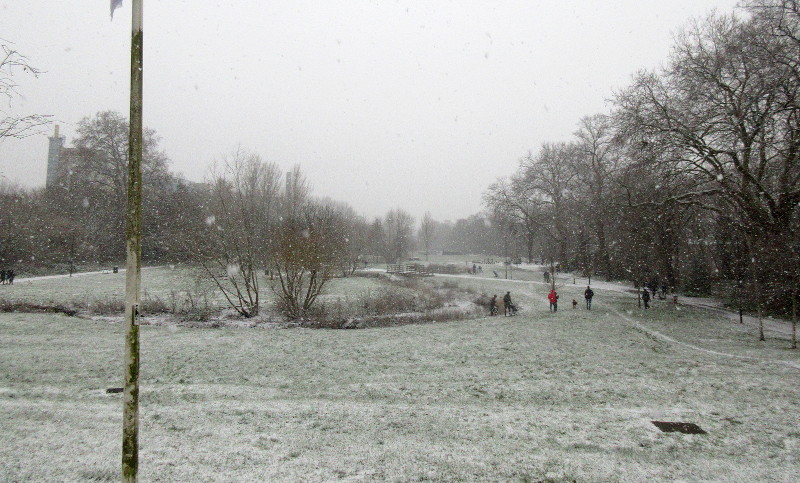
(414, 269)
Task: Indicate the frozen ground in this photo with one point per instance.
(538, 397)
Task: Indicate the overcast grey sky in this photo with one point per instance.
(411, 104)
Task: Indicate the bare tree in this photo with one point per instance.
(91, 187)
(14, 125)
(399, 229)
(426, 233)
(729, 112)
(551, 177)
(296, 193)
(242, 213)
(516, 203)
(595, 166)
(352, 247)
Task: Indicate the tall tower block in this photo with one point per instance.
(53, 155)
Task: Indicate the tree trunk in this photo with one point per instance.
(757, 287)
(530, 239)
(794, 320)
(602, 251)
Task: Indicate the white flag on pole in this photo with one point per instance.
(115, 4)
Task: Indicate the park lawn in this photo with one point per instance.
(94, 287)
(542, 396)
(171, 285)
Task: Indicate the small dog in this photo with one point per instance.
(574, 304)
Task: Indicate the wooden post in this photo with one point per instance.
(130, 413)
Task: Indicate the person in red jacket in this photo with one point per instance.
(553, 298)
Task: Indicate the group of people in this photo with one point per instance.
(588, 294)
(510, 309)
(7, 277)
(650, 291)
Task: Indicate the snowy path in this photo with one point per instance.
(66, 275)
(776, 327)
(659, 335)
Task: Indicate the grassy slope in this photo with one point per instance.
(539, 396)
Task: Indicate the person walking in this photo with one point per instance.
(508, 307)
(646, 298)
(553, 298)
(10, 276)
(493, 305)
(2, 277)
(588, 294)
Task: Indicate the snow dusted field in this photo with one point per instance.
(541, 396)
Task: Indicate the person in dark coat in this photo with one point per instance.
(10, 277)
(508, 307)
(2, 277)
(493, 305)
(646, 298)
(588, 294)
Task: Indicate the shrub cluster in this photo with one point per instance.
(403, 301)
(186, 305)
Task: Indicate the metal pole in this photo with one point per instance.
(130, 414)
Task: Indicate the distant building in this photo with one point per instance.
(59, 159)
(53, 155)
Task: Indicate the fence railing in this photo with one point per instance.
(408, 269)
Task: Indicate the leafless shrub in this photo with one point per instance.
(310, 247)
(449, 284)
(405, 301)
(481, 300)
(17, 306)
(106, 306)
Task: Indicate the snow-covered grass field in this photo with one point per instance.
(158, 283)
(538, 397)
